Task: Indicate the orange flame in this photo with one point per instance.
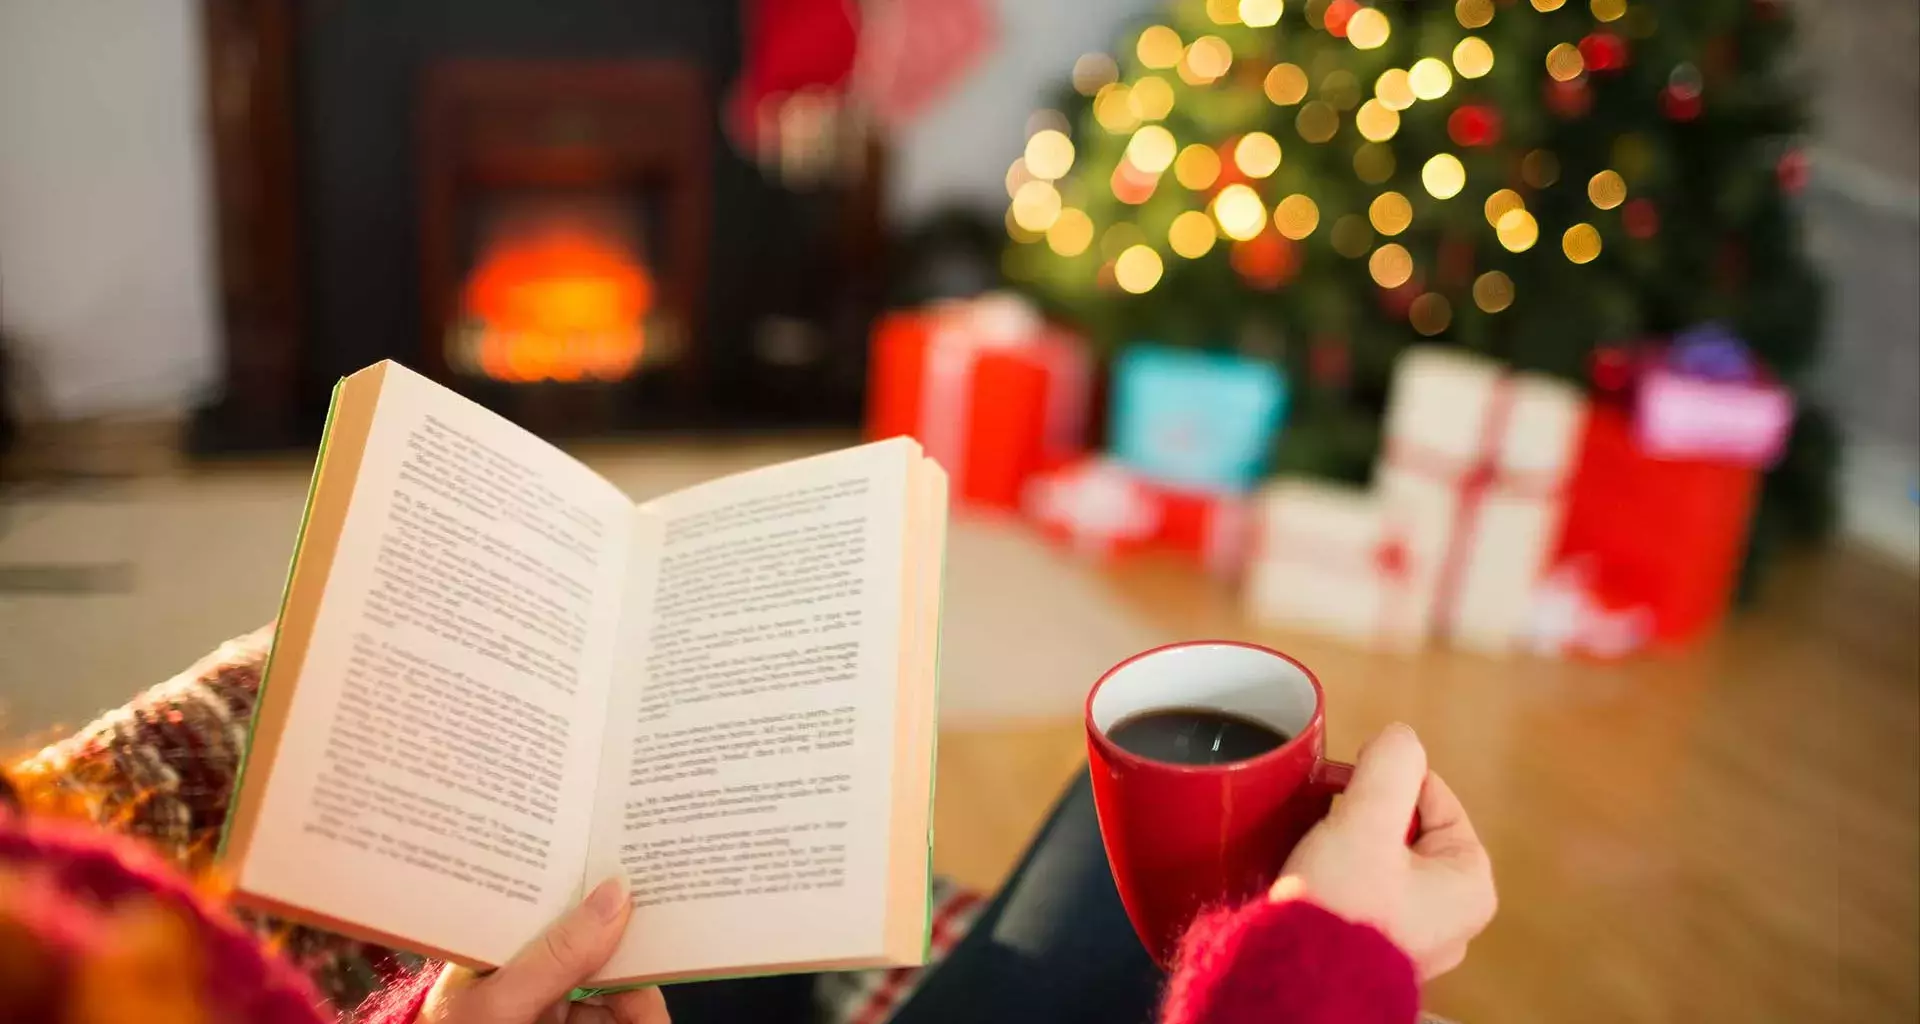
(560, 304)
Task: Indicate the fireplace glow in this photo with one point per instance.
(560, 301)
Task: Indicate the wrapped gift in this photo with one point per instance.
(1706, 397)
(1095, 506)
(1213, 527)
(1666, 534)
(1331, 559)
(1579, 612)
(1201, 420)
(992, 392)
(1475, 460)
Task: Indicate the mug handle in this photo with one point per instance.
(1330, 778)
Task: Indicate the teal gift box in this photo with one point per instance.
(1196, 419)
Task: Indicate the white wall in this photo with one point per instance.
(106, 283)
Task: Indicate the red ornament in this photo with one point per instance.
(1680, 104)
(1474, 124)
(1793, 170)
(1641, 219)
(1338, 14)
(1604, 51)
(1266, 261)
(1569, 100)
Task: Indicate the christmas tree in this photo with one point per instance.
(1328, 183)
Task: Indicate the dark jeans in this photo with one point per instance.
(1054, 946)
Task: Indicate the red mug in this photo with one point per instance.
(1181, 838)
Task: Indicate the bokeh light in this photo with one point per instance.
(1607, 189)
(1114, 110)
(1444, 176)
(1607, 10)
(1472, 57)
(1257, 155)
(1191, 234)
(1373, 163)
(1208, 58)
(1261, 13)
(1158, 47)
(1473, 13)
(1197, 167)
(1317, 122)
(1430, 78)
(1296, 216)
(1517, 230)
(1152, 149)
(1223, 12)
(1581, 243)
(1430, 314)
(1071, 233)
(1540, 168)
(1239, 212)
(1092, 71)
(1492, 291)
(1049, 154)
(1499, 203)
(1390, 265)
(1390, 213)
(1351, 236)
(1151, 98)
(1036, 205)
(1137, 270)
(1286, 84)
(1548, 5)
(1375, 122)
(1368, 29)
(1564, 63)
(1394, 89)
(1340, 89)
(1017, 175)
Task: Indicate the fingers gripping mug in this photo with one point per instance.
(1223, 770)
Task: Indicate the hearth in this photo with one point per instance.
(532, 203)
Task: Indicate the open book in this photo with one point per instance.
(498, 681)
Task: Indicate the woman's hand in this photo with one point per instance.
(532, 987)
(1432, 898)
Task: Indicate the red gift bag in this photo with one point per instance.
(1671, 531)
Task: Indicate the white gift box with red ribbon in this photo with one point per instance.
(1475, 464)
(1332, 559)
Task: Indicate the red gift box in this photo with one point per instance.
(1099, 506)
(1668, 533)
(992, 393)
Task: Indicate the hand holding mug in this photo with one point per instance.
(1430, 899)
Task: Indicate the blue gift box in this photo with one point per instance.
(1195, 419)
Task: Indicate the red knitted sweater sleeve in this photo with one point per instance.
(1289, 961)
(399, 1002)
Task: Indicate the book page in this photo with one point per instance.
(432, 716)
(748, 768)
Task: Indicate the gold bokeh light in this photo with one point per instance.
(1071, 233)
(1373, 163)
(1151, 98)
(1499, 203)
(1581, 243)
(1049, 154)
(1376, 122)
(1257, 155)
(1152, 149)
(1444, 176)
(1158, 47)
(1394, 89)
(1473, 13)
(1137, 270)
(1430, 78)
(1540, 168)
(1239, 212)
(1390, 265)
(1390, 213)
(1492, 291)
(1607, 10)
(1517, 230)
(1317, 121)
(1564, 63)
(1208, 58)
(1296, 216)
(1114, 110)
(1368, 29)
(1607, 189)
(1286, 84)
(1036, 205)
(1197, 167)
(1191, 234)
(1430, 314)
(1472, 57)
(1261, 13)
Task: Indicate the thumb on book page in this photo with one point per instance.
(569, 952)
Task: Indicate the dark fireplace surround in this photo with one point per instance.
(356, 143)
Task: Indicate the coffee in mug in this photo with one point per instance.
(1194, 736)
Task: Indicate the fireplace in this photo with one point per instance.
(530, 202)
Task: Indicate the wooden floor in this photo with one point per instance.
(1730, 835)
